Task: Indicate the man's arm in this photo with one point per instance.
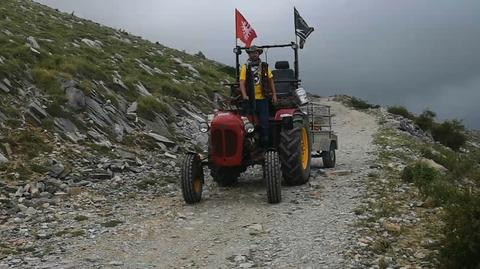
(274, 91)
(243, 89)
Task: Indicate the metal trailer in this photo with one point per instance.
(324, 140)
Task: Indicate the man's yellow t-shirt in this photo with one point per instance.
(257, 79)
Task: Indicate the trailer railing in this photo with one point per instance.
(320, 118)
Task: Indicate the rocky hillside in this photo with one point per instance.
(80, 102)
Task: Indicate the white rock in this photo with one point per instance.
(3, 159)
(115, 263)
(246, 265)
(142, 90)
(132, 108)
(31, 211)
(33, 43)
(240, 258)
(169, 155)
(160, 138)
(93, 44)
(434, 164)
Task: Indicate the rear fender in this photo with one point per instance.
(284, 112)
(286, 115)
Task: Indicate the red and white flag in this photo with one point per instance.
(245, 32)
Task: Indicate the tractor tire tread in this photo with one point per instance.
(290, 154)
(189, 168)
(273, 177)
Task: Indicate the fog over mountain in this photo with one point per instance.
(414, 53)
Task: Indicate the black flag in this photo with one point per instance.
(302, 30)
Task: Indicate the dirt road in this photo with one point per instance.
(237, 228)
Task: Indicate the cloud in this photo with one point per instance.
(413, 53)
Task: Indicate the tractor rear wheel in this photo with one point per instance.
(273, 177)
(225, 177)
(192, 178)
(295, 151)
(328, 157)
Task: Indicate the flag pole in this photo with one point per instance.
(296, 47)
(237, 71)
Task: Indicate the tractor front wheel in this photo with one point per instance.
(273, 177)
(192, 178)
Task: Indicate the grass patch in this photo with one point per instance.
(80, 218)
(112, 223)
(149, 106)
(77, 233)
(27, 142)
(47, 80)
(146, 183)
(461, 245)
(461, 241)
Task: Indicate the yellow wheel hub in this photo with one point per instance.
(305, 150)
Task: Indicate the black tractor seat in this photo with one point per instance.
(284, 79)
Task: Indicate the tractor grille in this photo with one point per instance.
(217, 143)
(224, 143)
(230, 143)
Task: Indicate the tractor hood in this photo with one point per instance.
(227, 135)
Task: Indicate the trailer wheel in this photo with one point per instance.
(225, 177)
(295, 150)
(273, 177)
(328, 157)
(192, 178)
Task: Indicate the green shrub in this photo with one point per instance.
(450, 133)
(360, 104)
(48, 124)
(55, 108)
(148, 106)
(426, 120)
(420, 173)
(461, 245)
(401, 111)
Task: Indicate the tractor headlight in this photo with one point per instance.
(204, 127)
(249, 127)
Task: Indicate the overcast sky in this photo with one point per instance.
(417, 53)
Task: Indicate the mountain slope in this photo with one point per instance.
(68, 80)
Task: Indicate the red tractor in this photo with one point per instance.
(297, 129)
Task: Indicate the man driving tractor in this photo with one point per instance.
(258, 89)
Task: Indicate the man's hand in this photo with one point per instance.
(245, 97)
(274, 99)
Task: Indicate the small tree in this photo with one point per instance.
(401, 111)
(450, 133)
(200, 55)
(425, 120)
